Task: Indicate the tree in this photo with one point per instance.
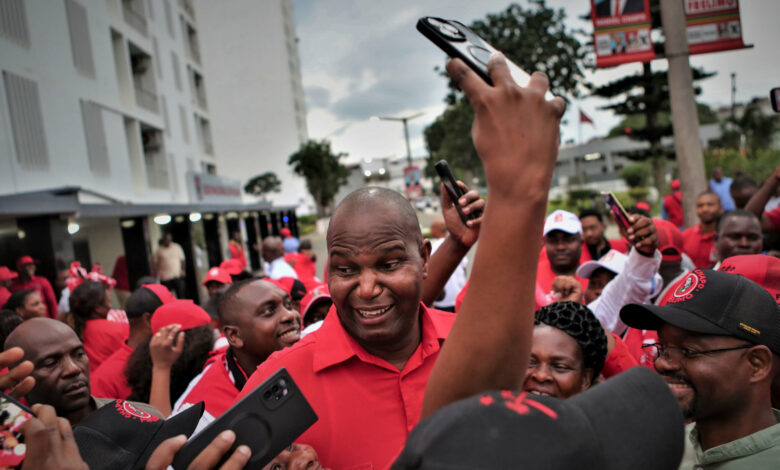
(321, 169)
(756, 128)
(263, 184)
(534, 39)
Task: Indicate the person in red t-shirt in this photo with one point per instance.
(699, 240)
(28, 280)
(672, 205)
(27, 304)
(562, 252)
(304, 262)
(237, 249)
(252, 336)
(89, 307)
(593, 229)
(108, 380)
(6, 276)
(770, 220)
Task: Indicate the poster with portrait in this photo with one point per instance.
(412, 183)
(621, 31)
(713, 25)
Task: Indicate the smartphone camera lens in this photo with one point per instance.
(447, 30)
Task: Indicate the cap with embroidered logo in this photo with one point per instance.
(714, 303)
(564, 221)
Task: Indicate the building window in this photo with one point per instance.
(190, 36)
(24, 107)
(133, 13)
(203, 129)
(97, 149)
(185, 129)
(186, 5)
(198, 88)
(168, 17)
(80, 45)
(209, 168)
(176, 72)
(143, 79)
(13, 22)
(154, 158)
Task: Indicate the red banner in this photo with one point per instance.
(713, 25)
(621, 31)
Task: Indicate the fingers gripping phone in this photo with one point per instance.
(455, 192)
(267, 420)
(458, 41)
(621, 216)
(12, 447)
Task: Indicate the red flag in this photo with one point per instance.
(585, 119)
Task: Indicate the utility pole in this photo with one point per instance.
(687, 139)
(733, 92)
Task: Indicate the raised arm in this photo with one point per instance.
(516, 133)
(460, 238)
(757, 203)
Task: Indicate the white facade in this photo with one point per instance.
(254, 88)
(120, 106)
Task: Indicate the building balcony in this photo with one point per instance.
(134, 18)
(147, 100)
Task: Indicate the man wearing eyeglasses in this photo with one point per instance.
(717, 333)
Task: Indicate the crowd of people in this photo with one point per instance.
(560, 349)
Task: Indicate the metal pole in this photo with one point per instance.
(733, 92)
(687, 140)
(408, 147)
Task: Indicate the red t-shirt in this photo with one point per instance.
(619, 360)
(5, 294)
(108, 380)
(774, 218)
(634, 340)
(120, 274)
(43, 286)
(545, 274)
(215, 386)
(366, 406)
(699, 247)
(237, 252)
(304, 268)
(673, 206)
(101, 339)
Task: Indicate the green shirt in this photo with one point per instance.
(758, 451)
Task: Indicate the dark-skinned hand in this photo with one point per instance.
(470, 203)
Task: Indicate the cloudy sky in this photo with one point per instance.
(365, 58)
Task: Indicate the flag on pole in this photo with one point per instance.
(584, 119)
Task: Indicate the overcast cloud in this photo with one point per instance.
(365, 58)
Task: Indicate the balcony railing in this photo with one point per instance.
(134, 18)
(147, 99)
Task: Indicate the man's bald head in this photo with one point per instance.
(380, 203)
(35, 331)
(273, 248)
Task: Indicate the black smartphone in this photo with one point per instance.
(12, 416)
(455, 192)
(458, 41)
(621, 216)
(267, 420)
(774, 96)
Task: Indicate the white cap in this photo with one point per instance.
(564, 221)
(613, 261)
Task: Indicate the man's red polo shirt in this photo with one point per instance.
(698, 246)
(366, 406)
(774, 218)
(108, 380)
(101, 339)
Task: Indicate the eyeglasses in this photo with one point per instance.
(679, 354)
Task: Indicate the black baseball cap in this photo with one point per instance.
(714, 303)
(121, 436)
(629, 421)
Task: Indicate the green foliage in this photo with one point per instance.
(535, 38)
(639, 121)
(758, 165)
(321, 169)
(636, 174)
(758, 128)
(263, 184)
(307, 224)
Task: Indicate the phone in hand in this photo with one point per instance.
(458, 41)
(12, 416)
(621, 216)
(267, 420)
(455, 192)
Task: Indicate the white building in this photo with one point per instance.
(106, 121)
(250, 58)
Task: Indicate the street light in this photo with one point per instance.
(404, 120)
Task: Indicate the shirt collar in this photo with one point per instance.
(342, 346)
(743, 447)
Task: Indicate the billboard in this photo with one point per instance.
(713, 25)
(412, 183)
(621, 31)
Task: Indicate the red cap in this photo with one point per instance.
(161, 292)
(292, 286)
(643, 206)
(670, 241)
(24, 260)
(285, 232)
(6, 274)
(312, 297)
(762, 269)
(675, 185)
(216, 274)
(232, 266)
(182, 312)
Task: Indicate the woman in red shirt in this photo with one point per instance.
(89, 306)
